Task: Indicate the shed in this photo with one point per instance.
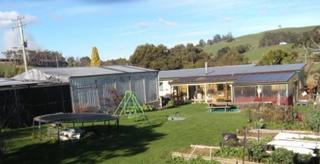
(99, 88)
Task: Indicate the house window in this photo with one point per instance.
(161, 86)
(219, 87)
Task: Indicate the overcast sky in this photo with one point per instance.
(116, 27)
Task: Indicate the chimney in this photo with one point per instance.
(206, 68)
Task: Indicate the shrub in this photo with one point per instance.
(302, 158)
(147, 107)
(281, 156)
(229, 152)
(170, 103)
(256, 150)
(313, 120)
(199, 160)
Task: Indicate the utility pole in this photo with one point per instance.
(23, 42)
(57, 62)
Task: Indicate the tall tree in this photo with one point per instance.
(202, 43)
(232, 57)
(71, 62)
(95, 59)
(278, 57)
(85, 61)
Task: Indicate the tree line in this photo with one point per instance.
(160, 57)
(217, 38)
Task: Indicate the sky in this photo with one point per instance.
(117, 27)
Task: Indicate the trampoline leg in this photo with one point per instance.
(32, 129)
(73, 124)
(82, 124)
(117, 125)
(58, 134)
(39, 132)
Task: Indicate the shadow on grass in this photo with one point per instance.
(16, 133)
(99, 144)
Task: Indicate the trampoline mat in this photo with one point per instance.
(74, 117)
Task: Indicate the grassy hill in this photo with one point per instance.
(256, 52)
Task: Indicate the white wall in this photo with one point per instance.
(164, 88)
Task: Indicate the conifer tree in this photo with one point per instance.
(95, 59)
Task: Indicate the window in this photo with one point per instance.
(220, 87)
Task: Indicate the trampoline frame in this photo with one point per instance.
(58, 118)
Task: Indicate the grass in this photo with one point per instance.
(7, 70)
(136, 142)
(256, 52)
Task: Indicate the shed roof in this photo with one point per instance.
(229, 70)
(9, 82)
(64, 73)
(268, 78)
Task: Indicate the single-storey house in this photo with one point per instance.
(276, 84)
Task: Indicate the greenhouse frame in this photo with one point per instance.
(100, 88)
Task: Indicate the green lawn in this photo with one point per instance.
(7, 70)
(136, 142)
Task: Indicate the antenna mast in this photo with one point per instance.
(23, 42)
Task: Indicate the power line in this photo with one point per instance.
(18, 21)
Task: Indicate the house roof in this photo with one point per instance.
(267, 78)
(204, 79)
(221, 70)
(229, 70)
(244, 79)
(64, 73)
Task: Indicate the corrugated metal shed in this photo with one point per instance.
(266, 78)
(229, 70)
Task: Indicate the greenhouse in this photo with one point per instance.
(100, 88)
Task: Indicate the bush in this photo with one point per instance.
(302, 159)
(229, 152)
(281, 156)
(147, 107)
(256, 150)
(313, 120)
(199, 160)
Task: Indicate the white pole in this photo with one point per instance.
(22, 43)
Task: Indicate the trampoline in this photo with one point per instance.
(58, 118)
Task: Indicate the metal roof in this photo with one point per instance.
(204, 79)
(275, 68)
(267, 78)
(222, 70)
(229, 70)
(8, 82)
(63, 74)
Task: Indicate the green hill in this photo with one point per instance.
(256, 52)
